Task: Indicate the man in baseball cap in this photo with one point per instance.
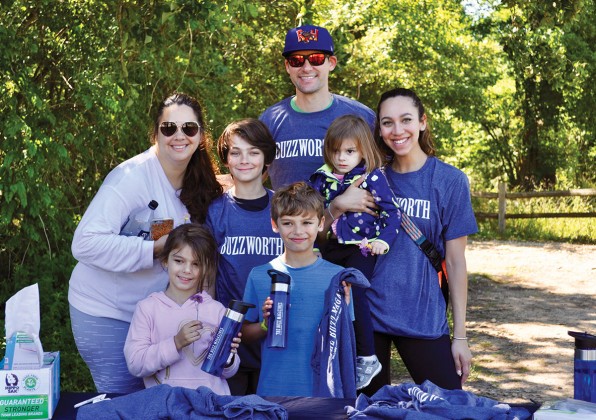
(299, 123)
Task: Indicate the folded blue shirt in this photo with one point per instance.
(428, 401)
(164, 401)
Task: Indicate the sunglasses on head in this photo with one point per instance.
(315, 59)
(169, 128)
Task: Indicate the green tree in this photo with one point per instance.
(427, 46)
(550, 51)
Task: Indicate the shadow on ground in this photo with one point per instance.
(518, 336)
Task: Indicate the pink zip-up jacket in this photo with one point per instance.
(150, 350)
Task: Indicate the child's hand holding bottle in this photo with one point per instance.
(266, 308)
(236, 343)
(267, 305)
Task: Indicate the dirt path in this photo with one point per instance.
(523, 298)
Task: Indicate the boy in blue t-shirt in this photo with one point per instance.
(297, 214)
(240, 221)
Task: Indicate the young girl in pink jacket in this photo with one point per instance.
(171, 331)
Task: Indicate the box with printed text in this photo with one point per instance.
(31, 393)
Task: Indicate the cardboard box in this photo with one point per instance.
(31, 393)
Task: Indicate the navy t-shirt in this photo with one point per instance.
(244, 239)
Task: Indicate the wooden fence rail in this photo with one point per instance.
(503, 196)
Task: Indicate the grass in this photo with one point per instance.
(399, 373)
(569, 230)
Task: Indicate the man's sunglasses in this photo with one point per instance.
(315, 59)
(169, 128)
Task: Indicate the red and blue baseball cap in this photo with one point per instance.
(308, 37)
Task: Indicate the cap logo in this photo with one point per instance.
(307, 36)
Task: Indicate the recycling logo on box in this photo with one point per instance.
(30, 382)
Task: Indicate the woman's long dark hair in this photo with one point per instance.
(425, 139)
(199, 186)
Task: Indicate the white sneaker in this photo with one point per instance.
(366, 370)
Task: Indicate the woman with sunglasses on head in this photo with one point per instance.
(114, 271)
(407, 305)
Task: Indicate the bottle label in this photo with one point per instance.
(220, 349)
(277, 335)
(215, 344)
(279, 317)
(234, 316)
(280, 287)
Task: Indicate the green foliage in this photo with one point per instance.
(428, 47)
(549, 49)
(572, 230)
(79, 81)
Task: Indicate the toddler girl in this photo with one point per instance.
(356, 239)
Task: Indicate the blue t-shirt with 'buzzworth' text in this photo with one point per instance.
(299, 136)
(405, 297)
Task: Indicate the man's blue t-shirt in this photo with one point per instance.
(299, 136)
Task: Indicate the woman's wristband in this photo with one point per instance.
(264, 325)
(460, 338)
(330, 214)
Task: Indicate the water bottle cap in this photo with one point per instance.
(239, 306)
(583, 340)
(279, 276)
(153, 204)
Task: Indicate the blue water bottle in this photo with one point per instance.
(277, 329)
(584, 366)
(229, 327)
